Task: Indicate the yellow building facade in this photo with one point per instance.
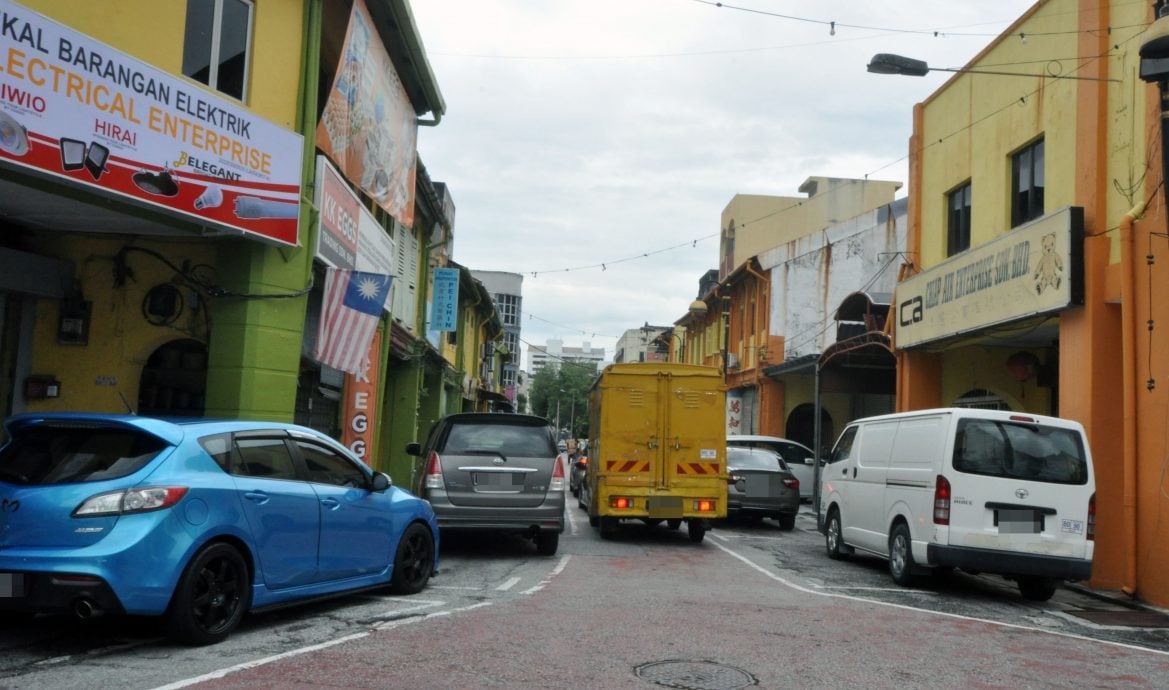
(1037, 252)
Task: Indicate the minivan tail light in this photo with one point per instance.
(1092, 518)
(434, 471)
(942, 501)
(557, 483)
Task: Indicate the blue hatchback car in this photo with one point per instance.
(196, 521)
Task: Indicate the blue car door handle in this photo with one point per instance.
(257, 497)
(331, 503)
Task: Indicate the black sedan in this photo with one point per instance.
(761, 485)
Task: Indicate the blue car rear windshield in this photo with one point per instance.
(62, 455)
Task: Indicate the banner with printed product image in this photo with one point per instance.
(369, 127)
(80, 111)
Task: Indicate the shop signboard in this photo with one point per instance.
(445, 300)
(1034, 269)
(348, 235)
(360, 407)
(75, 109)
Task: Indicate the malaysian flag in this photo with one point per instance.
(349, 316)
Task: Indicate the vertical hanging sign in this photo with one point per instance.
(446, 299)
(360, 410)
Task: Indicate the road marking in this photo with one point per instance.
(508, 584)
(944, 614)
(472, 589)
(902, 590)
(221, 673)
(555, 571)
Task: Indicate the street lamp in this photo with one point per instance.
(888, 63)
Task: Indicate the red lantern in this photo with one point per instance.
(1023, 366)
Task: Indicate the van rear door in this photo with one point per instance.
(1020, 485)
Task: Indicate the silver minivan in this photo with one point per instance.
(494, 471)
(1005, 493)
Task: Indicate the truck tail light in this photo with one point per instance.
(1091, 530)
(434, 471)
(942, 501)
(557, 483)
(704, 505)
(620, 502)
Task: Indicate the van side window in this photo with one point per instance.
(843, 447)
(1020, 451)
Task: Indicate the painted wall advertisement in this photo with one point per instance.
(360, 407)
(349, 236)
(78, 110)
(1034, 269)
(369, 127)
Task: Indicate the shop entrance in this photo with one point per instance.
(174, 380)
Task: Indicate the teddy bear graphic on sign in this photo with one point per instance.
(1049, 271)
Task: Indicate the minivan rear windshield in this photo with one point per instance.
(509, 440)
(1020, 451)
(65, 454)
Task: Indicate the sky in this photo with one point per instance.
(592, 145)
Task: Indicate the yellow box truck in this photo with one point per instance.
(657, 447)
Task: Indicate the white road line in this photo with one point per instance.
(568, 511)
(508, 584)
(945, 614)
(471, 589)
(555, 571)
(215, 675)
(903, 590)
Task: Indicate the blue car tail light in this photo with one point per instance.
(130, 501)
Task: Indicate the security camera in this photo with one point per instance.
(1155, 51)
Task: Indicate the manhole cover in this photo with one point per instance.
(1134, 619)
(695, 675)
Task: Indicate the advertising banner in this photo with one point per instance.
(1034, 269)
(349, 236)
(360, 408)
(369, 127)
(80, 111)
(446, 299)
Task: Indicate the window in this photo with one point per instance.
(215, 46)
(958, 221)
(327, 467)
(1027, 173)
(844, 445)
(1020, 451)
(266, 458)
(42, 454)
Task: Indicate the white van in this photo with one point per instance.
(1006, 493)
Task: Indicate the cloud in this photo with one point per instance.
(588, 132)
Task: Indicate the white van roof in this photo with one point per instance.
(970, 412)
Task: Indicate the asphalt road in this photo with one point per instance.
(752, 606)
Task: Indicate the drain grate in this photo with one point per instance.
(1133, 619)
(695, 675)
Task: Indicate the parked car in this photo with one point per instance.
(576, 473)
(759, 484)
(490, 471)
(800, 459)
(196, 521)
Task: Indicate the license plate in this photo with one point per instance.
(11, 585)
(499, 479)
(1020, 522)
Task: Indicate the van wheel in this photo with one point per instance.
(1036, 588)
(697, 530)
(833, 542)
(901, 556)
(546, 543)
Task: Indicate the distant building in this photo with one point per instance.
(506, 290)
(554, 353)
(637, 345)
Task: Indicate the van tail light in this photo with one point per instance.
(557, 483)
(434, 471)
(942, 501)
(1092, 518)
(792, 483)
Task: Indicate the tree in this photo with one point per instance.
(567, 386)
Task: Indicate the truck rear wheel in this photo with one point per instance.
(697, 530)
(608, 527)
